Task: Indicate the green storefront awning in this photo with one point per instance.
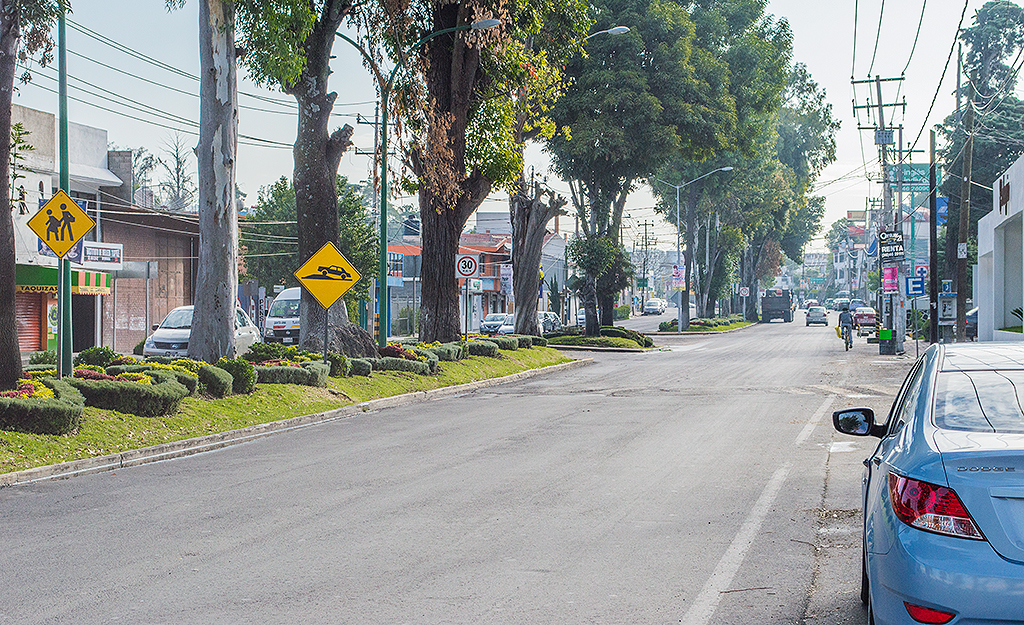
(36, 279)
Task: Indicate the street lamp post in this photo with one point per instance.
(679, 230)
(385, 91)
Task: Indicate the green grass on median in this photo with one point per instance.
(106, 432)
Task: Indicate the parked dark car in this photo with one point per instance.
(971, 324)
(942, 493)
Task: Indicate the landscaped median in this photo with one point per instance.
(611, 337)
(704, 326)
(100, 431)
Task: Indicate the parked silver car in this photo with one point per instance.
(548, 322)
(170, 337)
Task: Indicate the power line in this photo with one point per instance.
(878, 36)
(916, 35)
(853, 64)
(938, 87)
(292, 111)
(254, 141)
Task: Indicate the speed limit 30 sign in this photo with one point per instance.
(467, 266)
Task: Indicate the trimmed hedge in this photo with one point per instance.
(217, 382)
(539, 341)
(119, 369)
(506, 342)
(243, 372)
(432, 358)
(49, 357)
(449, 352)
(339, 364)
(483, 348)
(525, 340)
(390, 363)
(42, 367)
(309, 374)
(164, 360)
(625, 333)
(146, 400)
(361, 366)
(190, 382)
(58, 415)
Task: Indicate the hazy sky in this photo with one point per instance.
(823, 40)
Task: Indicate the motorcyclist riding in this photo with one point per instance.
(846, 325)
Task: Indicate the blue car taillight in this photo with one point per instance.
(931, 508)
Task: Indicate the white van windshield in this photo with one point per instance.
(284, 308)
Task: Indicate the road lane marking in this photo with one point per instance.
(706, 603)
(804, 433)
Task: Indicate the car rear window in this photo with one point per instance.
(979, 401)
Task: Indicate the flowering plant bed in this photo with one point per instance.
(28, 389)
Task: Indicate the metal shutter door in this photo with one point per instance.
(28, 308)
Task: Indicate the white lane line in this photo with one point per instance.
(804, 433)
(706, 603)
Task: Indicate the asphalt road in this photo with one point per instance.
(701, 484)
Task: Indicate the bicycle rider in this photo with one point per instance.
(846, 321)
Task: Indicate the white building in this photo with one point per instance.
(999, 286)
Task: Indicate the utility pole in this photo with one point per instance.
(933, 245)
(894, 305)
(645, 244)
(965, 215)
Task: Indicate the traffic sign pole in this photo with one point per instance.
(64, 345)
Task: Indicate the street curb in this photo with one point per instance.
(594, 348)
(191, 446)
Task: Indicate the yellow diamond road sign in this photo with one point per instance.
(61, 223)
(327, 275)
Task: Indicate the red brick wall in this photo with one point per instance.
(172, 287)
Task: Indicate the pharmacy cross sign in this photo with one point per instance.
(61, 224)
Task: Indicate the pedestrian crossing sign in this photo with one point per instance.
(61, 223)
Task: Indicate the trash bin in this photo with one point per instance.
(886, 344)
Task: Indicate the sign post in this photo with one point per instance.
(466, 266)
(61, 224)
(327, 275)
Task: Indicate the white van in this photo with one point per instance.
(282, 324)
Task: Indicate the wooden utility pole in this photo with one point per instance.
(965, 216)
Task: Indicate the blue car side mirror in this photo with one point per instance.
(856, 422)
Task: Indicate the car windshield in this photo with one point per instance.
(493, 317)
(284, 308)
(816, 309)
(979, 401)
(864, 311)
(177, 319)
(509, 320)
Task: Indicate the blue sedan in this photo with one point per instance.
(944, 491)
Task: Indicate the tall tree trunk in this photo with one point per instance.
(448, 192)
(317, 155)
(10, 354)
(213, 322)
(530, 216)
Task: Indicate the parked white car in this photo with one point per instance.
(170, 337)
